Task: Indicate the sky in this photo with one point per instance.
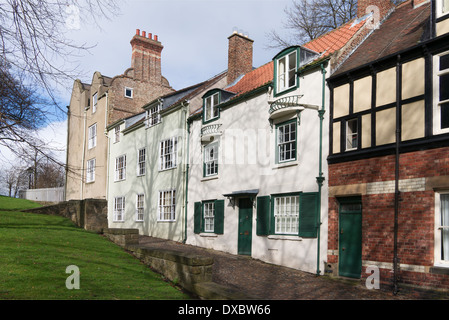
(194, 34)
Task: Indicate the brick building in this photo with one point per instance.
(389, 152)
(105, 100)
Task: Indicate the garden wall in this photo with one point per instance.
(89, 214)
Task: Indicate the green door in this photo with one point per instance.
(245, 226)
(350, 238)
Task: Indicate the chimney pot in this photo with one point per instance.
(144, 34)
(150, 36)
(138, 32)
(155, 37)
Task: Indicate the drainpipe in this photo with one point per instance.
(396, 191)
(108, 145)
(320, 178)
(186, 176)
(83, 155)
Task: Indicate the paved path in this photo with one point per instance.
(271, 282)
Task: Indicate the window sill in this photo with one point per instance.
(208, 235)
(168, 169)
(166, 221)
(285, 165)
(284, 237)
(209, 178)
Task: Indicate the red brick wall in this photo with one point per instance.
(416, 213)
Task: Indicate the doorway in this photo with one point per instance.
(245, 226)
(350, 237)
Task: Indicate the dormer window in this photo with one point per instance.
(211, 110)
(153, 115)
(286, 65)
(286, 71)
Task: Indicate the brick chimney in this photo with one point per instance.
(384, 7)
(240, 56)
(146, 57)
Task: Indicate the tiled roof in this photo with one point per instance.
(336, 39)
(326, 44)
(404, 28)
(254, 79)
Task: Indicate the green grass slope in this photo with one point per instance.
(36, 251)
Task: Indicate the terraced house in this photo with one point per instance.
(258, 149)
(389, 151)
(105, 100)
(148, 164)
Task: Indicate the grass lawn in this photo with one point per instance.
(35, 251)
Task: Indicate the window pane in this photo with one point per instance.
(445, 223)
(352, 134)
(445, 6)
(286, 214)
(444, 62)
(444, 87)
(287, 142)
(445, 116)
(292, 69)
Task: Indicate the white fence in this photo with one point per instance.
(43, 195)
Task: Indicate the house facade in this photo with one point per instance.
(105, 100)
(389, 152)
(258, 174)
(147, 165)
(148, 155)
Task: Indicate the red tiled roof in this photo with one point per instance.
(254, 79)
(327, 44)
(336, 39)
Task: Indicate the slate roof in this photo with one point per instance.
(404, 28)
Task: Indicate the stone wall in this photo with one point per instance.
(89, 214)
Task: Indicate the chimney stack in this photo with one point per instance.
(384, 7)
(146, 57)
(240, 56)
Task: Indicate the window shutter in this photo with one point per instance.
(197, 216)
(219, 217)
(308, 212)
(263, 216)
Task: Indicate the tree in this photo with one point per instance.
(309, 19)
(35, 53)
(15, 179)
(33, 36)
